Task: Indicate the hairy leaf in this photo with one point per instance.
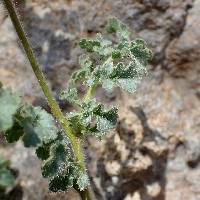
(66, 179)
(3, 162)
(70, 95)
(57, 161)
(140, 51)
(14, 133)
(128, 77)
(6, 178)
(39, 126)
(59, 154)
(94, 118)
(89, 44)
(61, 183)
(83, 181)
(60, 168)
(85, 61)
(106, 119)
(9, 103)
(43, 152)
(75, 123)
(116, 26)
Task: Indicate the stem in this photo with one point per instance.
(76, 143)
(90, 92)
(39, 75)
(86, 194)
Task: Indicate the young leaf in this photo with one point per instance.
(66, 179)
(106, 119)
(6, 178)
(43, 151)
(127, 77)
(75, 123)
(116, 26)
(14, 133)
(39, 126)
(9, 103)
(61, 183)
(85, 61)
(60, 167)
(59, 154)
(95, 119)
(83, 181)
(89, 44)
(70, 95)
(3, 162)
(140, 51)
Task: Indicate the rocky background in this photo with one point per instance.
(154, 154)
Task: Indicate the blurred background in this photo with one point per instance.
(154, 154)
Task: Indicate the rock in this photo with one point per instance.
(182, 54)
(193, 152)
(112, 168)
(154, 189)
(154, 152)
(135, 196)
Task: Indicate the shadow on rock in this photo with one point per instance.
(128, 169)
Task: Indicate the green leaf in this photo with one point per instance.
(128, 77)
(85, 61)
(116, 54)
(96, 119)
(43, 152)
(106, 119)
(60, 167)
(93, 119)
(61, 183)
(100, 73)
(14, 133)
(66, 179)
(107, 84)
(9, 103)
(129, 85)
(70, 95)
(113, 25)
(89, 44)
(57, 161)
(140, 51)
(83, 181)
(116, 26)
(69, 177)
(3, 162)
(103, 42)
(86, 65)
(39, 126)
(124, 48)
(6, 178)
(75, 123)
(59, 155)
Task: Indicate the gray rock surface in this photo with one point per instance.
(154, 153)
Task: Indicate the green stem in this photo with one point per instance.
(76, 143)
(86, 195)
(90, 92)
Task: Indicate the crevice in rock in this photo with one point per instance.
(176, 35)
(143, 167)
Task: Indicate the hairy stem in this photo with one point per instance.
(86, 195)
(76, 143)
(90, 92)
